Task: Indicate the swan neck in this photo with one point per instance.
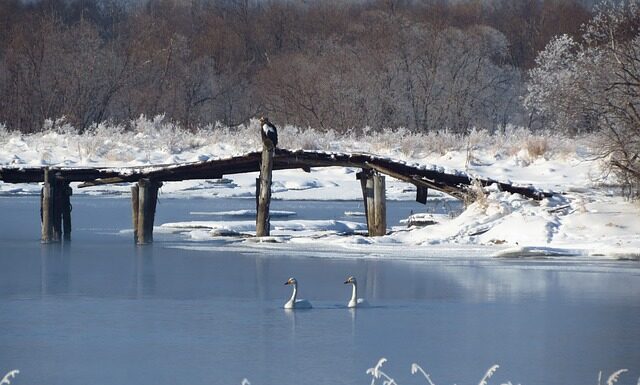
(354, 293)
(294, 294)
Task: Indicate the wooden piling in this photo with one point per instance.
(134, 210)
(264, 197)
(375, 208)
(380, 206)
(56, 206)
(422, 194)
(368, 203)
(45, 208)
(143, 213)
(257, 196)
(363, 176)
(65, 208)
(147, 200)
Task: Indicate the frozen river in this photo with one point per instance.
(100, 310)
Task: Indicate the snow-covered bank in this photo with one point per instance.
(586, 219)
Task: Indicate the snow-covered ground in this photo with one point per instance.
(586, 219)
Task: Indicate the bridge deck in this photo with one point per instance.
(452, 183)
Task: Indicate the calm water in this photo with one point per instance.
(102, 311)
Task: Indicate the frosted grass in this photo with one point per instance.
(6, 380)
(378, 376)
(149, 140)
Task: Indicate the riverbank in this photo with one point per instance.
(586, 218)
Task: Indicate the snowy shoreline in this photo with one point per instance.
(586, 218)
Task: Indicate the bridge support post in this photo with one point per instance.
(56, 205)
(55, 208)
(375, 206)
(422, 194)
(144, 198)
(61, 209)
(264, 193)
(65, 207)
(257, 197)
(380, 206)
(135, 189)
(46, 206)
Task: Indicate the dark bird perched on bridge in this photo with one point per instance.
(268, 132)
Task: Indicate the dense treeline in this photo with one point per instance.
(423, 65)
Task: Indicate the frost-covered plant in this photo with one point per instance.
(536, 147)
(490, 372)
(415, 368)
(152, 139)
(4, 133)
(99, 140)
(377, 374)
(60, 126)
(6, 380)
(614, 377)
(160, 134)
(476, 194)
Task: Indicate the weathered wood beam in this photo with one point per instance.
(36, 175)
(374, 196)
(135, 206)
(257, 196)
(455, 191)
(46, 215)
(422, 194)
(102, 181)
(147, 200)
(366, 183)
(58, 191)
(66, 208)
(379, 206)
(451, 183)
(264, 197)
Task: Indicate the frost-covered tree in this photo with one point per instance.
(595, 85)
(551, 83)
(611, 87)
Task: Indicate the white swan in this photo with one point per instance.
(293, 302)
(355, 301)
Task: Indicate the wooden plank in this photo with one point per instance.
(454, 191)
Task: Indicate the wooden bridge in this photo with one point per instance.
(56, 192)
